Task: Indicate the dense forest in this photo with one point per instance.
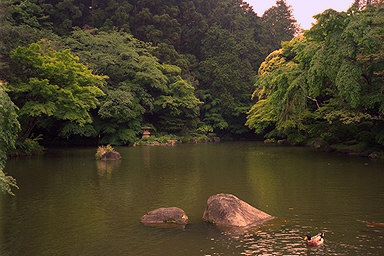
(97, 71)
(178, 66)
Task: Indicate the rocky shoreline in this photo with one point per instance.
(172, 142)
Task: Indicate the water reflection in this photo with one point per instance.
(69, 204)
(105, 168)
(146, 156)
(285, 237)
(276, 237)
(166, 225)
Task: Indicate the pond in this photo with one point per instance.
(70, 204)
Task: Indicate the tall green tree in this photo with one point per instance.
(225, 80)
(279, 24)
(30, 13)
(49, 83)
(19, 26)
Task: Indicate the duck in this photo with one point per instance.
(315, 240)
(374, 224)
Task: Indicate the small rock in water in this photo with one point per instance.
(170, 215)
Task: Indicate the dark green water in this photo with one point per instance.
(70, 204)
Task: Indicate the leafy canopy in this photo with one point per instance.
(52, 83)
(139, 90)
(326, 81)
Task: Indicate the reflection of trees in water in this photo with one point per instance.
(146, 157)
(107, 167)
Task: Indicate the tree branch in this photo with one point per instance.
(315, 100)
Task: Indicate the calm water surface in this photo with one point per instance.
(70, 204)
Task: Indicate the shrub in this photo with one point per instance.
(28, 147)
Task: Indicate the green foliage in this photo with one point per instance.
(14, 34)
(178, 108)
(212, 47)
(205, 129)
(30, 13)
(132, 73)
(9, 127)
(9, 124)
(327, 82)
(52, 83)
(28, 147)
(279, 23)
(139, 90)
(225, 76)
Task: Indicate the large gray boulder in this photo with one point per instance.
(228, 210)
(170, 215)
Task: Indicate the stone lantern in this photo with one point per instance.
(146, 132)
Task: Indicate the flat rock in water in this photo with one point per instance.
(228, 210)
(170, 215)
(111, 155)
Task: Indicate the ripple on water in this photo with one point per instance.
(277, 238)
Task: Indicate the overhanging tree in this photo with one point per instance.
(327, 83)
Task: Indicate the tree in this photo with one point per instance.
(139, 90)
(9, 127)
(225, 82)
(327, 83)
(29, 13)
(180, 32)
(18, 27)
(279, 24)
(177, 108)
(50, 83)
